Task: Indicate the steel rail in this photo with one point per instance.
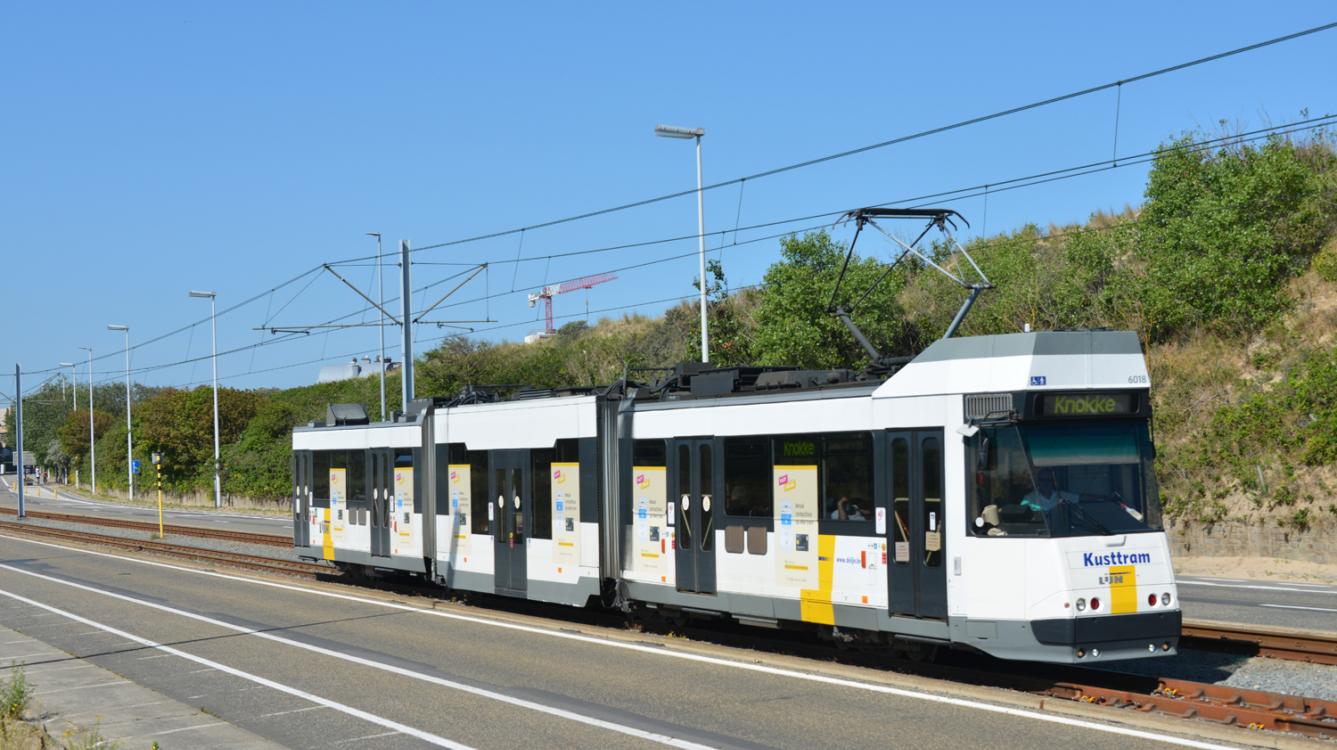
(235, 559)
(1245, 708)
(1276, 643)
(271, 540)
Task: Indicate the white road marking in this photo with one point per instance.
(363, 739)
(291, 711)
(672, 654)
(1294, 606)
(561, 713)
(86, 687)
(1256, 587)
(186, 729)
(355, 712)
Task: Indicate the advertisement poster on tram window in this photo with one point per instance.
(566, 513)
(338, 501)
(461, 504)
(796, 512)
(403, 504)
(648, 507)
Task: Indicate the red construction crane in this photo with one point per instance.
(548, 292)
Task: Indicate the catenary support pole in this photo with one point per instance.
(405, 296)
(92, 436)
(18, 425)
(380, 298)
(701, 248)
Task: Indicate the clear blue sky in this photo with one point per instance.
(152, 148)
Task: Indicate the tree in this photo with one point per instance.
(1221, 231)
(73, 432)
(794, 326)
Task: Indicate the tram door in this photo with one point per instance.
(915, 534)
(694, 515)
(301, 498)
(382, 501)
(513, 516)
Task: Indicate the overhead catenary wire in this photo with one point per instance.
(956, 194)
(1116, 84)
(978, 119)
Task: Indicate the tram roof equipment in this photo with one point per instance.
(939, 218)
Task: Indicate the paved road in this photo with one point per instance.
(313, 665)
(48, 498)
(1294, 605)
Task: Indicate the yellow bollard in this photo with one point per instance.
(157, 464)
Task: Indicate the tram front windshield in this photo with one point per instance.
(1066, 479)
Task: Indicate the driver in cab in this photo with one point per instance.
(1046, 496)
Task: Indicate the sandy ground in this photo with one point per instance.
(1257, 568)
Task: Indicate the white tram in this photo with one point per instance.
(994, 492)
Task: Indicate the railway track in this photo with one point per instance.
(234, 559)
(270, 540)
(1276, 643)
(1248, 709)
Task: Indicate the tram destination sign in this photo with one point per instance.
(1087, 404)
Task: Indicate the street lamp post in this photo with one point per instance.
(669, 131)
(74, 383)
(380, 282)
(74, 391)
(92, 438)
(213, 328)
(129, 437)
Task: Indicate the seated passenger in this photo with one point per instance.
(1046, 495)
(848, 510)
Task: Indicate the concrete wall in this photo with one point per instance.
(1257, 539)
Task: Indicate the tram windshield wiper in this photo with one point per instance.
(1087, 517)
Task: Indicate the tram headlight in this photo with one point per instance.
(1081, 605)
(1165, 598)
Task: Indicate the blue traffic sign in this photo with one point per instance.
(134, 466)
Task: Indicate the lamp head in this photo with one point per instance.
(202, 295)
(117, 327)
(672, 131)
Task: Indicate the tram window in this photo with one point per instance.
(705, 452)
(541, 463)
(1075, 479)
(648, 453)
(643, 453)
(900, 500)
(847, 476)
(931, 453)
(406, 458)
(683, 469)
(567, 451)
(747, 477)
(320, 479)
(479, 500)
(443, 458)
(357, 478)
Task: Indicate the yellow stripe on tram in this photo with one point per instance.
(815, 604)
(326, 541)
(1123, 589)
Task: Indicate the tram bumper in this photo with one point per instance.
(1077, 640)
